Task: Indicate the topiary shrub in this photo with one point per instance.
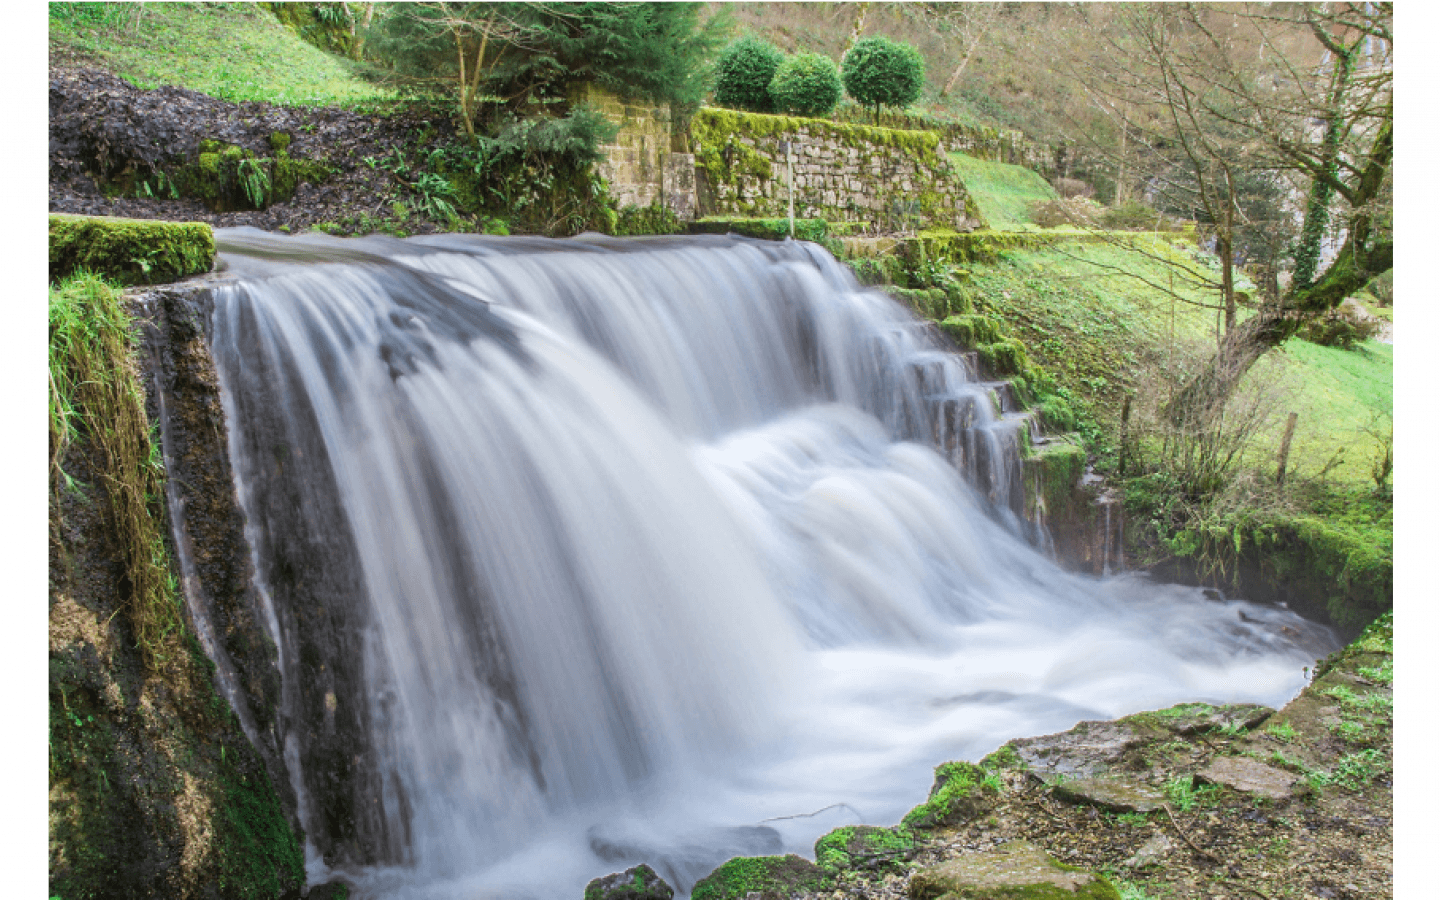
(744, 72)
(880, 72)
(806, 84)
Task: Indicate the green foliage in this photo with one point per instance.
(1282, 731)
(534, 172)
(96, 399)
(653, 219)
(743, 74)
(806, 84)
(816, 230)
(880, 72)
(1182, 792)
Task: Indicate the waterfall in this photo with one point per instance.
(579, 553)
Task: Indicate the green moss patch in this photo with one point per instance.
(765, 877)
(961, 791)
(865, 847)
(131, 251)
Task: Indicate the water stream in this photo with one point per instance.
(590, 552)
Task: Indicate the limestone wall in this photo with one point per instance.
(899, 180)
(640, 166)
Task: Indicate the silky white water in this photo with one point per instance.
(658, 550)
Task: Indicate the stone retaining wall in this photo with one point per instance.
(898, 180)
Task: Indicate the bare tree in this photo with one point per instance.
(1218, 107)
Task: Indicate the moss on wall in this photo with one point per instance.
(154, 789)
(842, 171)
(131, 251)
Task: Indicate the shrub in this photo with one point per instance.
(806, 84)
(1131, 215)
(744, 72)
(880, 72)
(1072, 187)
(1076, 211)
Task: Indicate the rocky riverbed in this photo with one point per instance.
(1191, 801)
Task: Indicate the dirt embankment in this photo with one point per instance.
(105, 134)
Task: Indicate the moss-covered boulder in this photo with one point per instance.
(962, 791)
(131, 251)
(1016, 871)
(970, 330)
(865, 847)
(760, 878)
(638, 883)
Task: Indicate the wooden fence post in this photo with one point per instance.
(1285, 447)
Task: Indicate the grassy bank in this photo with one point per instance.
(1005, 194)
(234, 51)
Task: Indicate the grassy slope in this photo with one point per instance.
(1004, 193)
(1102, 333)
(234, 51)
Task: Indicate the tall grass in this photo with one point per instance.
(97, 405)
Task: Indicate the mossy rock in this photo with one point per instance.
(960, 793)
(1016, 871)
(1054, 471)
(638, 883)
(764, 877)
(927, 303)
(864, 847)
(971, 330)
(1003, 358)
(131, 251)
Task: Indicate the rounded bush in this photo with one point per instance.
(880, 72)
(806, 84)
(744, 72)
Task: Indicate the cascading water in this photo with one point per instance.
(583, 553)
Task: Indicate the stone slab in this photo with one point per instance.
(1115, 794)
(1014, 866)
(1249, 776)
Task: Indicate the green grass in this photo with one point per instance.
(234, 51)
(1003, 193)
(1343, 399)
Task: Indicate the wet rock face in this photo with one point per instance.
(309, 569)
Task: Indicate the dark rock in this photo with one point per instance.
(639, 883)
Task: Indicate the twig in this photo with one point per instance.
(816, 813)
(1245, 887)
(1178, 830)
